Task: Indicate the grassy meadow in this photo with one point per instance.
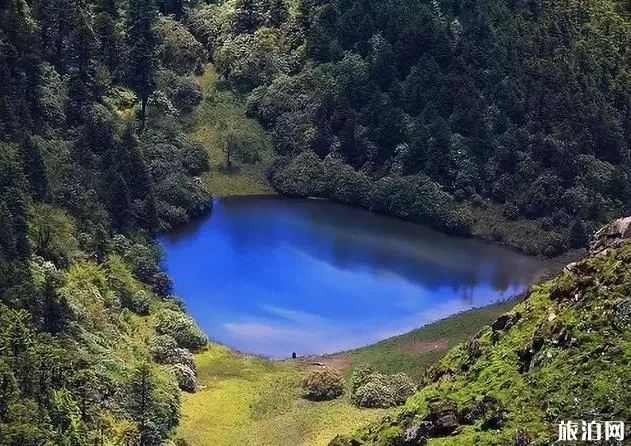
(221, 118)
(248, 400)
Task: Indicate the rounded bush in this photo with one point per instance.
(377, 390)
(323, 384)
(402, 387)
(181, 327)
(186, 378)
(375, 393)
(360, 376)
(139, 302)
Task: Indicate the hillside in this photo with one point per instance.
(508, 120)
(562, 354)
(94, 160)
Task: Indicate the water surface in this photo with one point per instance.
(272, 275)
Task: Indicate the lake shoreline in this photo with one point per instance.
(566, 256)
(368, 230)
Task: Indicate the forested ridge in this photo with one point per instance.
(510, 120)
(94, 349)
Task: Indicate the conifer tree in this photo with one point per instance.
(83, 86)
(142, 404)
(33, 165)
(277, 13)
(142, 44)
(248, 16)
(105, 27)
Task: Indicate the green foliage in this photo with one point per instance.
(141, 43)
(518, 377)
(152, 406)
(178, 50)
(413, 197)
(323, 384)
(477, 112)
(181, 328)
(77, 298)
(370, 389)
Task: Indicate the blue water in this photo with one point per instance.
(272, 275)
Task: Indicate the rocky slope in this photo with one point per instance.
(564, 353)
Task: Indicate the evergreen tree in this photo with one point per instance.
(109, 40)
(143, 403)
(120, 208)
(141, 42)
(34, 168)
(54, 308)
(248, 16)
(82, 86)
(277, 13)
(20, 75)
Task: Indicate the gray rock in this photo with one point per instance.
(611, 235)
(622, 315)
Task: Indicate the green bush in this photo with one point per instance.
(302, 177)
(375, 393)
(369, 389)
(181, 328)
(360, 376)
(323, 384)
(179, 51)
(164, 350)
(186, 378)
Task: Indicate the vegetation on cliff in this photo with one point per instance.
(561, 354)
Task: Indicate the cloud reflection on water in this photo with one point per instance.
(273, 276)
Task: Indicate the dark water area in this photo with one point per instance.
(273, 275)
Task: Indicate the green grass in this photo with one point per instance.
(413, 352)
(576, 350)
(247, 400)
(220, 115)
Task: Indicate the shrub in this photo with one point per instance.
(195, 159)
(179, 51)
(323, 384)
(554, 245)
(402, 387)
(164, 350)
(138, 302)
(301, 177)
(360, 376)
(181, 327)
(186, 378)
(207, 25)
(511, 211)
(375, 393)
(377, 390)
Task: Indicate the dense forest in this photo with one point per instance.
(505, 119)
(510, 120)
(93, 161)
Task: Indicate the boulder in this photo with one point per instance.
(415, 435)
(610, 235)
(505, 321)
(442, 418)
